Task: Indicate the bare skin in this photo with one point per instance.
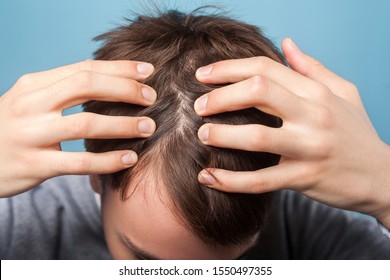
(330, 150)
(32, 125)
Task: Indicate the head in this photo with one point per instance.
(158, 209)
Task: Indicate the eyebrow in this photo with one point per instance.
(138, 252)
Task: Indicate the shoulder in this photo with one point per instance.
(56, 194)
(38, 223)
(301, 228)
(321, 231)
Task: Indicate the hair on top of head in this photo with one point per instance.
(177, 44)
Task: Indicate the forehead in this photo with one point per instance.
(148, 210)
(146, 219)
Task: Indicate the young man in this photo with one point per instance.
(157, 209)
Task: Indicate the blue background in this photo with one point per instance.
(351, 37)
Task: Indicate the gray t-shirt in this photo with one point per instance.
(60, 219)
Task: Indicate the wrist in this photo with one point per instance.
(381, 187)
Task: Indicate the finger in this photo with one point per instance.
(122, 68)
(235, 70)
(251, 137)
(63, 163)
(282, 176)
(257, 92)
(95, 126)
(84, 86)
(314, 69)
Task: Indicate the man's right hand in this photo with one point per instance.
(32, 125)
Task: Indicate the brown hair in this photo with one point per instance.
(177, 44)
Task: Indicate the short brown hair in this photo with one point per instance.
(177, 44)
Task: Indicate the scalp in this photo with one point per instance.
(177, 44)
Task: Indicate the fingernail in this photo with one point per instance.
(204, 133)
(201, 103)
(130, 158)
(204, 71)
(146, 126)
(148, 94)
(145, 68)
(205, 178)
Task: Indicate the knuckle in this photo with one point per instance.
(256, 139)
(127, 127)
(350, 88)
(82, 164)
(84, 79)
(22, 163)
(255, 187)
(78, 165)
(256, 183)
(55, 89)
(86, 65)
(316, 67)
(25, 80)
(81, 126)
(62, 166)
(319, 147)
(20, 106)
(258, 88)
(323, 93)
(130, 86)
(124, 66)
(262, 62)
(304, 177)
(309, 175)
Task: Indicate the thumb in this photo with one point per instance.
(315, 70)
